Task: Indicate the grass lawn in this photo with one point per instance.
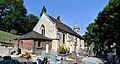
(7, 37)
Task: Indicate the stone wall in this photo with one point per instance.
(52, 32)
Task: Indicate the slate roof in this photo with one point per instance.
(35, 36)
(64, 27)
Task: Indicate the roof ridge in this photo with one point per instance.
(64, 27)
(59, 21)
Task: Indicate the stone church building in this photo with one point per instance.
(60, 33)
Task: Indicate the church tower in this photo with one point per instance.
(76, 28)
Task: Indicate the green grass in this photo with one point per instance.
(7, 37)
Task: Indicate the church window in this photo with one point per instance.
(39, 44)
(63, 38)
(43, 30)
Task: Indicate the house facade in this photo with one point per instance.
(60, 33)
(34, 42)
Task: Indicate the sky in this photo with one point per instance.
(71, 12)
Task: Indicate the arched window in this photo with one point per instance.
(63, 38)
(43, 30)
(39, 43)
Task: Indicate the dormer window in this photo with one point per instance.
(43, 30)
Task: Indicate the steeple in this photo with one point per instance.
(76, 28)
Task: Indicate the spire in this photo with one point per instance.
(77, 28)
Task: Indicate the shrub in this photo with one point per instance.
(63, 50)
(26, 55)
(13, 31)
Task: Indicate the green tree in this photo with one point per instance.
(89, 35)
(32, 22)
(13, 15)
(43, 10)
(106, 29)
(3, 13)
(58, 18)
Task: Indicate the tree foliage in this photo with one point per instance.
(13, 17)
(32, 21)
(106, 29)
(58, 18)
(43, 10)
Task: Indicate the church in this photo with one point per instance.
(60, 34)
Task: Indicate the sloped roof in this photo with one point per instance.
(64, 27)
(34, 35)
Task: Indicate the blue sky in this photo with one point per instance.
(82, 12)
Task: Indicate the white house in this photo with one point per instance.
(60, 33)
